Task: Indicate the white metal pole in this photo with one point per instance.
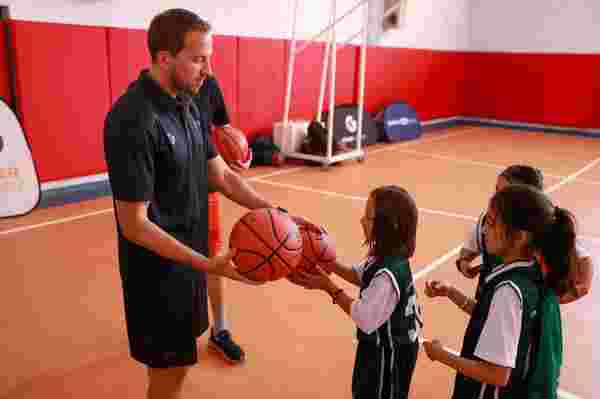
(362, 71)
(332, 89)
(290, 72)
(325, 64)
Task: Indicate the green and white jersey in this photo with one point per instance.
(503, 329)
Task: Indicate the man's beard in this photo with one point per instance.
(182, 88)
(187, 89)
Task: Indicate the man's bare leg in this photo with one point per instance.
(166, 383)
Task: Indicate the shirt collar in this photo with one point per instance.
(160, 97)
(503, 268)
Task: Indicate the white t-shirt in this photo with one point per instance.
(377, 302)
(499, 339)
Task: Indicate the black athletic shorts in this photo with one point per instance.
(165, 312)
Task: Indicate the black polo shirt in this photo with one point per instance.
(210, 100)
(156, 149)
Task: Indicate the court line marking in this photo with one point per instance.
(485, 164)
(354, 197)
(425, 140)
(260, 179)
(360, 198)
(419, 274)
(110, 210)
(573, 176)
(437, 262)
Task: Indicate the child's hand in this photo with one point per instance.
(309, 226)
(311, 281)
(465, 268)
(581, 276)
(435, 288)
(433, 348)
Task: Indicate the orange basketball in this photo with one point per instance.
(317, 249)
(231, 144)
(268, 244)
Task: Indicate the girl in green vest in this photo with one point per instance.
(386, 312)
(581, 269)
(506, 353)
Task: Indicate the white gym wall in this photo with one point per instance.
(436, 24)
(534, 26)
(480, 25)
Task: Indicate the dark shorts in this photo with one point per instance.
(165, 312)
(383, 371)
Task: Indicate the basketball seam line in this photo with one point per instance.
(282, 244)
(266, 259)
(273, 250)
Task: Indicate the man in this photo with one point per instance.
(160, 162)
(210, 100)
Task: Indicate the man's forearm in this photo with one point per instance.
(148, 235)
(238, 190)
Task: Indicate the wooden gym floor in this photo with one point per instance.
(63, 333)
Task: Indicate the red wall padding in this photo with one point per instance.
(65, 89)
(261, 84)
(555, 89)
(127, 56)
(306, 79)
(63, 95)
(224, 63)
(308, 67)
(431, 81)
(4, 66)
(346, 76)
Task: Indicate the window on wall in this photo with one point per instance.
(385, 16)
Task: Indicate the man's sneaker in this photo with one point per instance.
(224, 344)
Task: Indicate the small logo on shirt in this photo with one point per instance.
(171, 138)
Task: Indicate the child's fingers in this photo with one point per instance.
(428, 289)
(473, 271)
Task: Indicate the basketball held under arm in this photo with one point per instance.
(233, 185)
